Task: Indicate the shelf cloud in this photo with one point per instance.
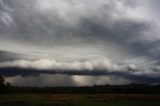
(81, 37)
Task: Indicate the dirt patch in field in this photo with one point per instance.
(70, 98)
(123, 97)
(62, 98)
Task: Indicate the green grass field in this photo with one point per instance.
(79, 100)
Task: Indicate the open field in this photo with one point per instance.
(79, 100)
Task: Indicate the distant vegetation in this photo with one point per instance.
(4, 86)
(1, 81)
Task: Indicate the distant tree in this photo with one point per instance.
(8, 84)
(2, 81)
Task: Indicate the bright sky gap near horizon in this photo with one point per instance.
(79, 42)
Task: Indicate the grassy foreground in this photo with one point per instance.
(79, 100)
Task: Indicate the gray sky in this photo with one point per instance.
(82, 35)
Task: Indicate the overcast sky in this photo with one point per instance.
(116, 39)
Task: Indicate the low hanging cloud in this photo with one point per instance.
(87, 67)
(46, 64)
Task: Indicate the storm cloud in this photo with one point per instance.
(81, 37)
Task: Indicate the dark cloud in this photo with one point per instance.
(7, 56)
(35, 32)
(130, 73)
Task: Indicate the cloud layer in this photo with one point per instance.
(81, 37)
(110, 28)
(89, 67)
